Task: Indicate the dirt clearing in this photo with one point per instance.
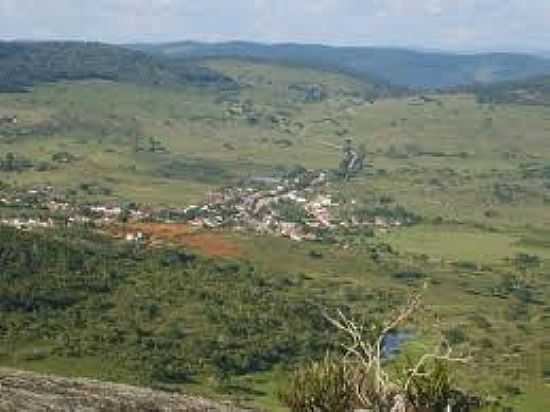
(209, 244)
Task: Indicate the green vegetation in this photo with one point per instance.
(23, 65)
(534, 91)
(291, 212)
(477, 190)
(362, 377)
(67, 296)
(322, 386)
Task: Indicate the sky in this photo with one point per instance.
(458, 25)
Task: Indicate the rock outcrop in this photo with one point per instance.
(24, 391)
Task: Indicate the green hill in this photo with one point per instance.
(23, 65)
(401, 67)
(213, 135)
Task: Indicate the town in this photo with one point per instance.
(299, 207)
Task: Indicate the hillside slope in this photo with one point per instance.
(398, 66)
(23, 65)
(211, 135)
(235, 321)
(24, 391)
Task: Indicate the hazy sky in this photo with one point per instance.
(444, 24)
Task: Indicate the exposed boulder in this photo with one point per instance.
(25, 391)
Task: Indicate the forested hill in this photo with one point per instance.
(534, 91)
(400, 67)
(24, 64)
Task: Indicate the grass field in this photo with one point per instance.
(476, 174)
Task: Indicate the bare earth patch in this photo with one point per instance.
(210, 244)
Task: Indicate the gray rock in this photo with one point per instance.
(24, 391)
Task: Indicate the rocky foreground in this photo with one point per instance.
(24, 391)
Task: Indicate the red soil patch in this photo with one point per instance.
(213, 245)
(209, 244)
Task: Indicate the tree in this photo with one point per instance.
(353, 161)
(9, 162)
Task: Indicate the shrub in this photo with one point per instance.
(315, 254)
(431, 388)
(291, 212)
(283, 143)
(524, 261)
(324, 386)
(170, 369)
(455, 336)
(409, 275)
(480, 321)
(398, 213)
(486, 343)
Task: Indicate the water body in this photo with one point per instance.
(393, 343)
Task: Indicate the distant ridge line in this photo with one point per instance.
(397, 66)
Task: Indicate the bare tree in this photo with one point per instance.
(375, 388)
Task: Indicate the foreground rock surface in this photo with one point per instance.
(24, 391)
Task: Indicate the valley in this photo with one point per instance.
(135, 282)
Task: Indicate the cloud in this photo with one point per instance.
(456, 24)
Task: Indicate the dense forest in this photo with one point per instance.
(23, 65)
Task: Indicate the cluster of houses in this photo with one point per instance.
(44, 207)
(8, 120)
(39, 198)
(27, 223)
(33, 208)
(256, 207)
(298, 207)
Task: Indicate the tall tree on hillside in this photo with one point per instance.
(8, 165)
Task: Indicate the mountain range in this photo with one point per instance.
(400, 67)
